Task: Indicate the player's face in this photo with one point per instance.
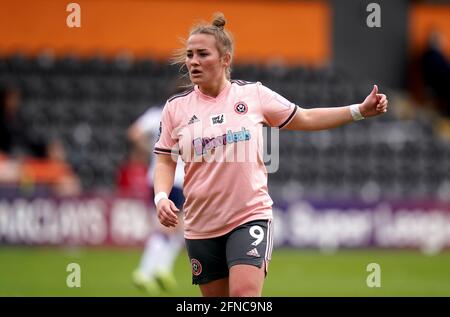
(203, 60)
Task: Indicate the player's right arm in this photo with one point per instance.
(163, 182)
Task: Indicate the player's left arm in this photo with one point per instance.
(327, 118)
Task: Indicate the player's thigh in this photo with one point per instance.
(216, 288)
(249, 249)
(246, 280)
(250, 243)
(208, 260)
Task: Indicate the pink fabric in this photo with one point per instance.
(220, 141)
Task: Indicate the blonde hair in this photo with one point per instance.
(224, 40)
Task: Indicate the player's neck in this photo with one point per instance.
(214, 89)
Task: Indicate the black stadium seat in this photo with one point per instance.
(104, 96)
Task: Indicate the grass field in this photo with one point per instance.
(107, 272)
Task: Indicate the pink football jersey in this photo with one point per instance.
(220, 140)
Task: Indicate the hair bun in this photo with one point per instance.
(219, 20)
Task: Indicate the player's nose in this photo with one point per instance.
(194, 60)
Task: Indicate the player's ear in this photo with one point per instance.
(226, 59)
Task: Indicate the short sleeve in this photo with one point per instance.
(277, 110)
(166, 142)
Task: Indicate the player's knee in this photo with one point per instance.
(245, 290)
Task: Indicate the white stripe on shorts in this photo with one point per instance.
(269, 245)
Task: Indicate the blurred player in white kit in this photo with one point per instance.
(163, 245)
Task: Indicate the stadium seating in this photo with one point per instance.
(89, 103)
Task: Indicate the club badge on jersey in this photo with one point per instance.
(241, 107)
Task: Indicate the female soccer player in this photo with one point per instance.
(216, 127)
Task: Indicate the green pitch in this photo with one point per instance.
(107, 272)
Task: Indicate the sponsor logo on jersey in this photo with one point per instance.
(193, 119)
(218, 119)
(201, 145)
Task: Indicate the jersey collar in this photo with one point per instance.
(219, 97)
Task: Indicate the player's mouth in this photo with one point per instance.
(195, 72)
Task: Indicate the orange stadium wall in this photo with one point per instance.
(425, 19)
(293, 31)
